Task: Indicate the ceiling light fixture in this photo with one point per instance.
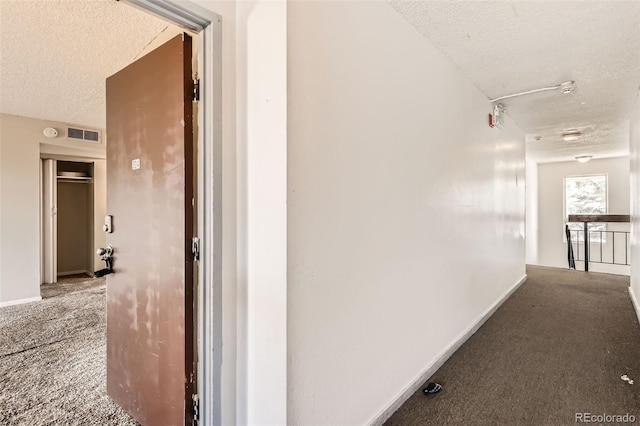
(584, 158)
(565, 87)
(571, 135)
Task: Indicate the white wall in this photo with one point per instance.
(532, 212)
(19, 214)
(253, 294)
(552, 251)
(21, 144)
(634, 135)
(262, 60)
(99, 209)
(406, 211)
(2, 223)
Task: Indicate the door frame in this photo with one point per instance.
(48, 221)
(208, 27)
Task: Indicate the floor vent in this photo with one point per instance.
(83, 134)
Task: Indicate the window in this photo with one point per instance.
(585, 195)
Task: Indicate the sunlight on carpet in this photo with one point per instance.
(53, 359)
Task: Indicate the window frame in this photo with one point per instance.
(565, 216)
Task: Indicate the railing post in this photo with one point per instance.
(613, 247)
(586, 246)
(570, 258)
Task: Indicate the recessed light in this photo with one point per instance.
(571, 135)
(584, 158)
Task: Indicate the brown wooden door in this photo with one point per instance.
(150, 365)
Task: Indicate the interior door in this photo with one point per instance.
(150, 362)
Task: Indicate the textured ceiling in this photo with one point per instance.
(506, 47)
(56, 54)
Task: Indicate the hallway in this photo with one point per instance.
(373, 178)
(557, 347)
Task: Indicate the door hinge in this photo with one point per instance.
(196, 408)
(196, 90)
(195, 248)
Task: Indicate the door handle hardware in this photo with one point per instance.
(106, 254)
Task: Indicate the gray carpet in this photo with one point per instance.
(558, 346)
(52, 358)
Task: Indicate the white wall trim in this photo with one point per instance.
(634, 300)
(445, 355)
(79, 271)
(212, 374)
(49, 235)
(20, 301)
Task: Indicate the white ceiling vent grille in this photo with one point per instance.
(88, 135)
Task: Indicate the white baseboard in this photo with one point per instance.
(634, 300)
(444, 356)
(20, 301)
(63, 274)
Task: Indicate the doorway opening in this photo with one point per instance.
(64, 164)
(69, 206)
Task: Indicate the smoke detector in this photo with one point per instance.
(50, 132)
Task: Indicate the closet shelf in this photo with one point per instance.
(75, 179)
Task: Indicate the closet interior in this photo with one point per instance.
(74, 181)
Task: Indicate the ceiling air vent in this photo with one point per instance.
(83, 134)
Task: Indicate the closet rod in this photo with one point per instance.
(75, 181)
